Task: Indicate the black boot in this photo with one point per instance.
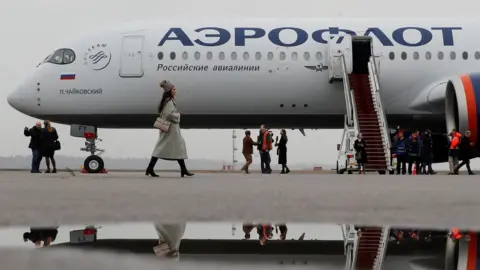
(283, 169)
(183, 168)
(288, 170)
(150, 167)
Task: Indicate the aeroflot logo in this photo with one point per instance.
(214, 36)
(98, 56)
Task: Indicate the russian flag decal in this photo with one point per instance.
(67, 76)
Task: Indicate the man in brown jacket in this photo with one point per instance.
(247, 150)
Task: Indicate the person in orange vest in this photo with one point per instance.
(265, 233)
(466, 147)
(265, 143)
(453, 151)
(455, 234)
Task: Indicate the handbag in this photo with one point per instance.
(57, 145)
(358, 155)
(162, 124)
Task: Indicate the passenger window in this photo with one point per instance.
(453, 55)
(440, 55)
(209, 55)
(282, 56)
(246, 56)
(62, 57)
(173, 55)
(258, 56)
(294, 56)
(270, 56)
(416, 55)
(160, 56)
(404, 56)
(391, 55)
(465, 55)
(428, 55)
(234, 56)
(306, 56)
(221, 56)
(184, 55)
(319, 56)
(197, 55)
(477, 55)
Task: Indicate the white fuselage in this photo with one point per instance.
(262, 83)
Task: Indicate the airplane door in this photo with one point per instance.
(338, 45)
(132, 57)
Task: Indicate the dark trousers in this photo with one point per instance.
(413, 160)
(465, 162)
(265, 161)
(427, 162)
(402, 164)
(36, 160)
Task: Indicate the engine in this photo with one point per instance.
(462, 101)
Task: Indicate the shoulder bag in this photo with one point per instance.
(162, 124)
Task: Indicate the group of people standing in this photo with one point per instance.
(264, 145)
(416, 150)
(43, 142)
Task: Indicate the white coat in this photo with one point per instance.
(170, 145)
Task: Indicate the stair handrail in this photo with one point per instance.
(382, 251)
(355, 115)
(346, 91)
(378, 102)
(355, 250)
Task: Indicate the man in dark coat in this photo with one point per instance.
(36, 144)
(427, 153)
(466, 152)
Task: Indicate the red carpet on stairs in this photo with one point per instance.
(368, 245)
(368, 122)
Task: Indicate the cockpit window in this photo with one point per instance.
(61, 57)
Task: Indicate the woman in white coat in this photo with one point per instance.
(170, 144)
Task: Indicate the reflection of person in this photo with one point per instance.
(170, 144)
(39, 234)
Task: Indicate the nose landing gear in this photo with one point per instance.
(93, 163)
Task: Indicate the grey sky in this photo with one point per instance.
(32, 29)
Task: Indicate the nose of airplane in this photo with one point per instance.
(17, 101)
(13, 99)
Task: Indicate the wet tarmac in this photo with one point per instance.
(439, 201)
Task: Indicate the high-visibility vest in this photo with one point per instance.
(456, 234)
(266, 145)
(455, 141)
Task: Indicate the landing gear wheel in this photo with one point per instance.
(93, 164)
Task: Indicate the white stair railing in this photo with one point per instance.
(382, 118)
(382, 249)
(352, 119)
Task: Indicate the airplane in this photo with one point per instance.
(242, 73)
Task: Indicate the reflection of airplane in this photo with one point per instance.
(328, 254)
(243, 73)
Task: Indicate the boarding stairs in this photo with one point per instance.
(365, 249)
(365, 113)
